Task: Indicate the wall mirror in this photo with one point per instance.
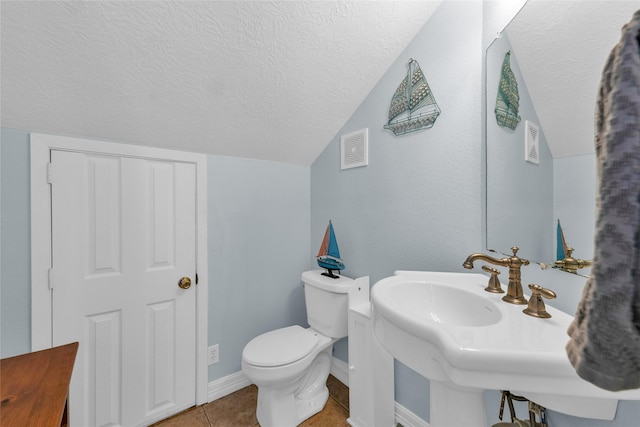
(557, 50)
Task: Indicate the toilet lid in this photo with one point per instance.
(280, 347)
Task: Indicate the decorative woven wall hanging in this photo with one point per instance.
(508, 101)
(413, 106)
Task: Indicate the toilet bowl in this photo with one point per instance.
(290, 366)
(294, 388)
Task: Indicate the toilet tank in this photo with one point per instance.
(327, 303)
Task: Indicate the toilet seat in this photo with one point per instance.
(280, 347)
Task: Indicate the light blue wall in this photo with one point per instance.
(258, 247)
(574, 197)
(574, 204)
(15, 275)
(418, 204)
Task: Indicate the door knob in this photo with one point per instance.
(184, 283)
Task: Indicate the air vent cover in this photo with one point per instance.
(354, 149)
(531, 143)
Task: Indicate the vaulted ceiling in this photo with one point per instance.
(272, 80)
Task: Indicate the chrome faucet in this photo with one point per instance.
(514, 289)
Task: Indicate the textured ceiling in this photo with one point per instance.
(561, 48)
(273, 80)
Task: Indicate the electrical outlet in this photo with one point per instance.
(213, 356)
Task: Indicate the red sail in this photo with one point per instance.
(324, 248)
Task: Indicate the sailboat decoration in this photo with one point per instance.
(329, 254)
(562, 249)
(508, 101)
(413, 106)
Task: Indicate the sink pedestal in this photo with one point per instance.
(464, 340)
(455, 406)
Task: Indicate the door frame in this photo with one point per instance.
(41, 295)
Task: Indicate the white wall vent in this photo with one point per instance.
(531, 142)
(354, 149)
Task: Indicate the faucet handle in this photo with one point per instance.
(516, 259)
(494, 283)
(536, 307)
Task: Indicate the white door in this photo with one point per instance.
(123, 235)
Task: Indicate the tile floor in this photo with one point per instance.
(239, 410)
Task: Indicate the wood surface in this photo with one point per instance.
(34, 387)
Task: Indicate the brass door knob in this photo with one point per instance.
(184, 283)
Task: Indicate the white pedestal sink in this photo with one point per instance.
(465, 340)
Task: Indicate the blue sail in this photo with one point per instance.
(561, 249)
(333, 250)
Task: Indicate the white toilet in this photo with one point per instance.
(290, 365)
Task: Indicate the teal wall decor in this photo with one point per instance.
(508, 100)
(413, 106)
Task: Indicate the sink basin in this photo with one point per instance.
(425, 302)
(448, 329)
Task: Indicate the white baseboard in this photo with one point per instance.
(408, 418)
(339, 369)
(227, 385)
(234, 382)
